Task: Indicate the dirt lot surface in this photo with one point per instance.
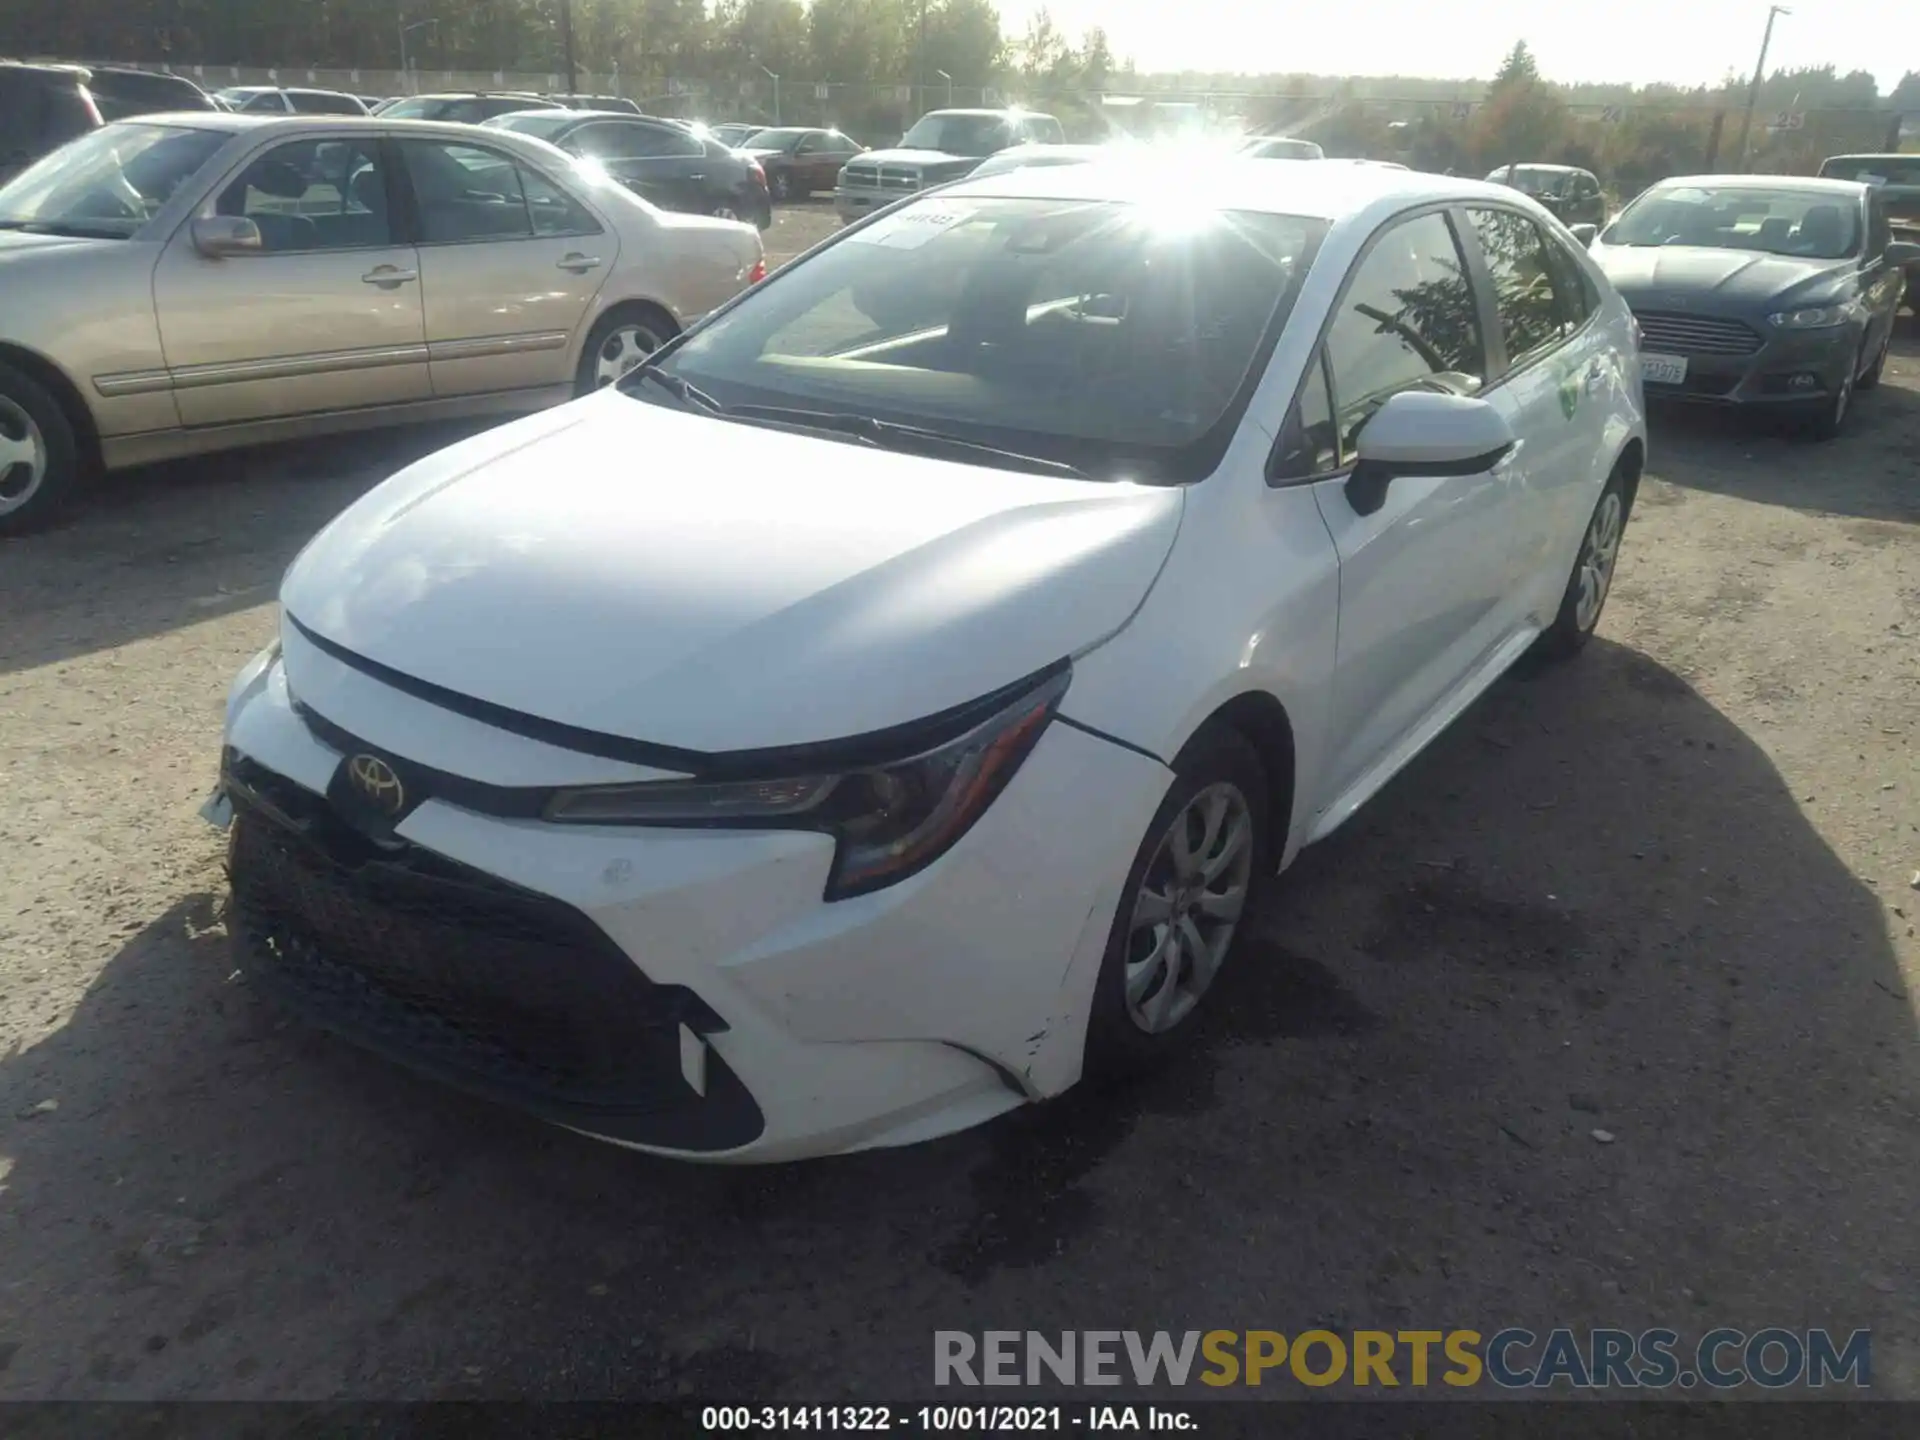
(1661, 894)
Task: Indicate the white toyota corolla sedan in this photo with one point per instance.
(880, 710)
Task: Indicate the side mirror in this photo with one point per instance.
(218, 236)
(1425, 432)
(1585, 234)
(1903, 253)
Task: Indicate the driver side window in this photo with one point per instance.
(1408, 319)
(308, 195)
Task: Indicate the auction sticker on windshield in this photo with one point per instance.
(1663, 369)
(912, 228)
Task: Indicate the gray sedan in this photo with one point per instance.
(1759, 290)
(185, 283)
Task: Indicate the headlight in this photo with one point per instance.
(889, 818)
(1814, 317)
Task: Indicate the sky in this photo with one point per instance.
(1682, 42)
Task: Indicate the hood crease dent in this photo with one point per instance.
(623, 568)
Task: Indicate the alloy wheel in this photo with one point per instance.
(23, 456)
(625, 347)
(725, 212)
(1598, 553)
(1188, 907)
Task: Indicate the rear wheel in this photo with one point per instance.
(39, 456)
(780, 185)
(621, 340)
(1592, 579)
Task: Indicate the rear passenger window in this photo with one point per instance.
(1408, 319)
(1538, 300)
(554, 211)
(465, 193)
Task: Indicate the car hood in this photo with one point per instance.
(921, 158)
(657, 575)
(1734, 276)
(19, 245)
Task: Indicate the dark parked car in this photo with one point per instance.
(618, 103)
(662, 162)
(41, 108)
(1760, 290)
(1281, 147)
(800, 161)
(278, 100)
(1572, 194)
(1897, 178)
(121, 94)
(469, 107)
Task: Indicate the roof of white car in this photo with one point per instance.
(236, 122)
(1310, 188)
(1815, 183)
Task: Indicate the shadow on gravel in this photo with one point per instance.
(170, 545)
(1579, 1023)
(1868, 472)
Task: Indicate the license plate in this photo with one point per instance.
(1663, 369)
(218, 810)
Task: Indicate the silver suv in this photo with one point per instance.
(943, 145)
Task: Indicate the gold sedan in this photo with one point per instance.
(179, 284)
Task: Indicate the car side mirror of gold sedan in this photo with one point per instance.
(218, 236)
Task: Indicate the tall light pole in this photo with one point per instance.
(776, 90)
(406, 30)
(566, 42)
(949, 79)
(920, 55)
(1774, 12)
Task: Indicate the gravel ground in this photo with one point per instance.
(1662, 893)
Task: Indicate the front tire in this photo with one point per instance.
(1197, 869)
(1587, 589)
(1871, 379)
(1825, 419)
(39, 455)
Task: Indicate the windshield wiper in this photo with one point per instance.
(910, 439)
(681, 390)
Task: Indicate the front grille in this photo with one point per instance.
(863, 175)
(899, 177)
(1665, 332)
(447, 968)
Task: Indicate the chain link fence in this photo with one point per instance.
(1633, 141)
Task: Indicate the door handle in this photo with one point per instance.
(576, 262)
(696, 175)
(388, 276)
(1596, 372)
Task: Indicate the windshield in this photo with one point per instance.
(108, 183)
(1809, 224)
(1284, 150)
(1121, 340)
(957, 134)
(1874, 169)
(1533, 179)
(778, 139)
(544, 124)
